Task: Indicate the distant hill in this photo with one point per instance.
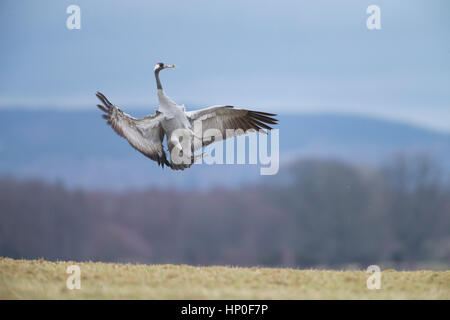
(78, 149)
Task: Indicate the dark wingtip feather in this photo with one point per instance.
(266, 113)
(262, 120)
(103, 99)
(261, 124)
(99, 95)
(102, 108)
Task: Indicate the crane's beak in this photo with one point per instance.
(171, 66)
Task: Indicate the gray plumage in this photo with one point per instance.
(147, 134)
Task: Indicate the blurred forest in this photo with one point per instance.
(324, 213)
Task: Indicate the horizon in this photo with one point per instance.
(140, 111)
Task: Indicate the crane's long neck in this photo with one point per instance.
(158, 82)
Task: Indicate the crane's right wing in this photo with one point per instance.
(145, 135)
(228, 120)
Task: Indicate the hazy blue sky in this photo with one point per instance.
(275, 55)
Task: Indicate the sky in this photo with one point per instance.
(278, 56)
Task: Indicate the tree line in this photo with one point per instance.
(322, 213)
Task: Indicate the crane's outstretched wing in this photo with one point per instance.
(228, 120)
(145, 135)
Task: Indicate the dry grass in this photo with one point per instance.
(39, 279)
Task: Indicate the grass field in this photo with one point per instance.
(39, 279)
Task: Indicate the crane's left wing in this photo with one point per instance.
(145, 135)
(228, 120)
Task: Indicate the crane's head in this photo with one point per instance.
(159, 66)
